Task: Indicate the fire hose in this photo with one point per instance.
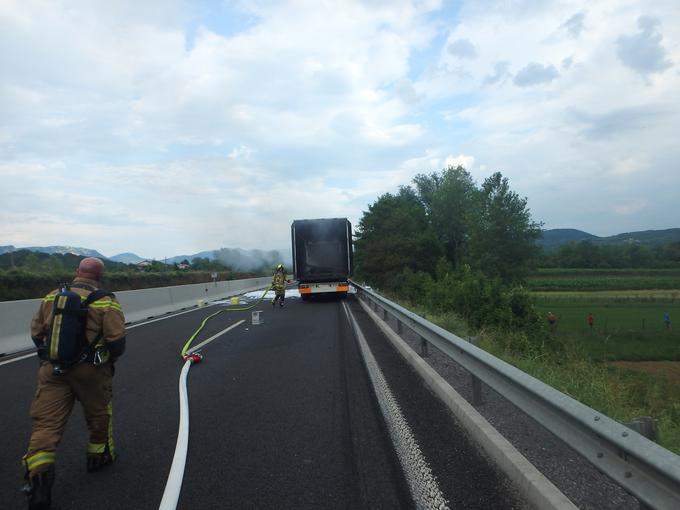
(173, 485)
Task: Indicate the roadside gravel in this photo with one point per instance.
(584, 485)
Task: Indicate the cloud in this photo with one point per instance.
(535, 74)
(462, 48)
(617, 122)
(217, 125)
(629, 166)
(500, 74)
(630, 207)
(643, 52)
(575, 24)
(466, 162)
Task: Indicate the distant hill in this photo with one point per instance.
(85, 252)
(210, 255)
(236, 258)
(127, 258)
(41, 261)
(554, 238)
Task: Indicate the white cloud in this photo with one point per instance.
(535, 74)
(643, 52)
(466, 162)
(631, 207)
(462, 48)
(629, 166)
(179, 120)
(575, 24)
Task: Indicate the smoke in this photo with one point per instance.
(250, 260)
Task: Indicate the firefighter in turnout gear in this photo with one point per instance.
(98, 325)
(279, 285)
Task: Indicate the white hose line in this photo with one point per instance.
(174, 483)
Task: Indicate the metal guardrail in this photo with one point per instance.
(640, 466)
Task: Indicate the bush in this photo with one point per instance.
(484, 303)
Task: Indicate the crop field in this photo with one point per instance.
(628, 363)
(604, 279)
(628, 328)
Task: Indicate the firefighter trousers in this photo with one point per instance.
(52, 405)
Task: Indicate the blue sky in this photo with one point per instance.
(166, 126)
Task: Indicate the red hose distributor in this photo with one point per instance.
(195, 357)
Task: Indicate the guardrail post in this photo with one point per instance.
(400, 327)
(423, 347)
(385, 314)
(644, 425)
(476, 391)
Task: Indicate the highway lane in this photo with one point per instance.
(281, 417)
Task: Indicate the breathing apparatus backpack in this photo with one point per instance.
(66, 341)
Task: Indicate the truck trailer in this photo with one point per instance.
(322, 255)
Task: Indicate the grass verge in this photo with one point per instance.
(620, 393)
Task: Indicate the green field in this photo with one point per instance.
(624, 328)
(603, 279)
(627, 307)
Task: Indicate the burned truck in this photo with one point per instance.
(322, 256)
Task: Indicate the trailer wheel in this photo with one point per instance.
(305, 297)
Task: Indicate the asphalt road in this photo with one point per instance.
(282, 415)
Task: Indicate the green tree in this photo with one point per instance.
(450, 199)
(393, 235)
(503, 242)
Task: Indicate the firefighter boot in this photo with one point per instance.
(97, 461)
(39, 489)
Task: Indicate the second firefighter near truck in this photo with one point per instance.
(79, 332)
(279, 285)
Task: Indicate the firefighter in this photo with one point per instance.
(89, 380)
(279, 285)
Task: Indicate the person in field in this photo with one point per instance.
(552, 320)
(590, 320)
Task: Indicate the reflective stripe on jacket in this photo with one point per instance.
(104, 316)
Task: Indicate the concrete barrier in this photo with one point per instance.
(15, 316)
(15, 320)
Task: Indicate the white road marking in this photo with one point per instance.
(18, 358)
(205, 342)
(422, 483)
(170, 316)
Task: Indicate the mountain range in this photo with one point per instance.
(244, 260)
(554, 238)
(236, 258)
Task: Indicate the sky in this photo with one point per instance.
(169, 127)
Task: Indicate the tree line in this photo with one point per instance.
(445, 215)
(586, 254)
(26, 274)
(452, 245)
